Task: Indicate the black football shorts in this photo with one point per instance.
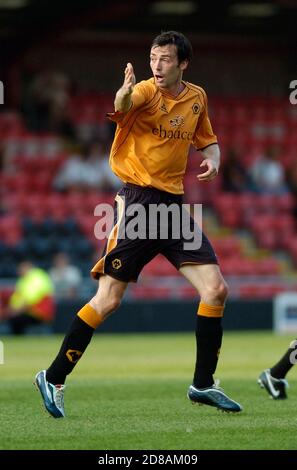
(148, 222)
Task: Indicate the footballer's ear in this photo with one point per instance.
(184, 64)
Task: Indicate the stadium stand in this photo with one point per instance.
(253, 233)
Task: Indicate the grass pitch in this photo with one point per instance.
(129, 392)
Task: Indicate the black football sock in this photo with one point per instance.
(208, 342)
(73, 346)
(282, 367)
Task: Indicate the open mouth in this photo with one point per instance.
(159, 77)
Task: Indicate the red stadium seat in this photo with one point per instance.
(293, 250)
(266, 203)
(34, 203)
(260, 291)
(16, 182)
(75, 204)
(285, 202)
(267, 266)
(237, 266)
(143, 292)
(268, 239)
(187, 292)
(159, 266)
(285, 223)
(87, 224)
(92, 199)
(227, 246)
(10, 229)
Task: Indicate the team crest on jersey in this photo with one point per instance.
(196, 108)
(116, 263)
(163, 108)
(178, 121)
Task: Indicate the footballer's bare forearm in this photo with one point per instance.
(211, 163)
(212, 152)
(123, 101)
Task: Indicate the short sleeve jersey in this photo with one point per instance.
(153, 138)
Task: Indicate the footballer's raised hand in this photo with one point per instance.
(123, 101)
(130, 80)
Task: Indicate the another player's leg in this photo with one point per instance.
(51, 382)
(208, 281)
(273, 380)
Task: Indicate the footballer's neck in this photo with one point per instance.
(174, 90)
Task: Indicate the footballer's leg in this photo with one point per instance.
(197, 262)
(276, 388)
(273, 380)
(50, 382)
(210, 285)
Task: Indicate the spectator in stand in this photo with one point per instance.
(268, 174)
(46, 105)
(32, 301)
(66, 277)
(235, 177)
(98, 161)
(73, 175)
(88, 169)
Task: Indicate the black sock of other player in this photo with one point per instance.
(282, 367)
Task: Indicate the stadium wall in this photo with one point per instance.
(170, 316)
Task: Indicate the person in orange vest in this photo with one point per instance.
(32, 301)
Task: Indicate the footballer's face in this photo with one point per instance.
(165, 67)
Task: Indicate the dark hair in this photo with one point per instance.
(183, 45)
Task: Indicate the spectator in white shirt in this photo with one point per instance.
(66, 277)
(268, 174)
(88, 169)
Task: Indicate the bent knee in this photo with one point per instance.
(223, 290)
(216, 294)
(105, 305)
(114, 303)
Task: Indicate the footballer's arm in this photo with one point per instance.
(211, 161)
(123, 101)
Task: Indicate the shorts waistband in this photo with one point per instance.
(152, 190)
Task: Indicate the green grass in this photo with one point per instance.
(129, 392)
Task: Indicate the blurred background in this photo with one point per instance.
(61, 63)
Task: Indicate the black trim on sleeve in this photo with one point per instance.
(203, 148)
